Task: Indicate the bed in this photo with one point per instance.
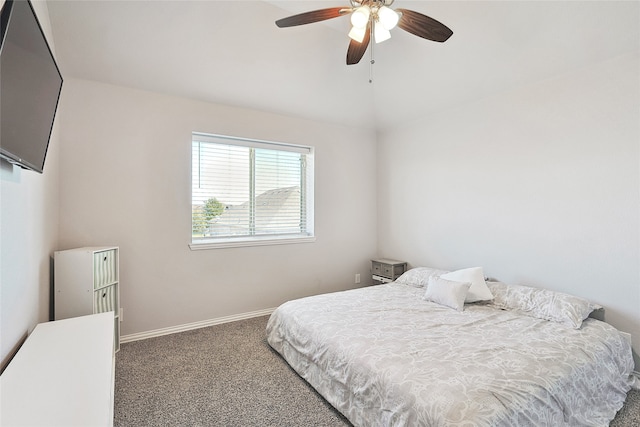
(406, 354)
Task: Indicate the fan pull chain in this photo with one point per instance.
(371, 71)
(373, 61)
(371, 43)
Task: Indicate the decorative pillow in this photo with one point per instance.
(447, 292)
(478, 290)
(418, 276)
(542, 303)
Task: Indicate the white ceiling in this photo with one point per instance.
(231, 52)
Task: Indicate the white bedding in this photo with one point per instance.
(384, 357)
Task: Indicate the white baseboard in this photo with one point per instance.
(196, 325)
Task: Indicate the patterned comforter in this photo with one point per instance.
(384, 357)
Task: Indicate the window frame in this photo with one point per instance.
(307, 196)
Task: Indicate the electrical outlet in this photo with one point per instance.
(357, 280)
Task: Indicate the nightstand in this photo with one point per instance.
(386, 270)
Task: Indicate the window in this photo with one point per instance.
(247, 192)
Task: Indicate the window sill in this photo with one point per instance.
(239, 243)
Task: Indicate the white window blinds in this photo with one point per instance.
(247, 190)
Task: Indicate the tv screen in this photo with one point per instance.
(30, 86)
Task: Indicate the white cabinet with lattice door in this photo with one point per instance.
(86, 281)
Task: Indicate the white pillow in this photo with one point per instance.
(478, 290)
(447, 292)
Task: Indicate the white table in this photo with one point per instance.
(63, 375)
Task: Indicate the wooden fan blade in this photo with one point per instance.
(423, 26)
(356, 50)
(313, 16)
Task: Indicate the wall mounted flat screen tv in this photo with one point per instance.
(30, 86)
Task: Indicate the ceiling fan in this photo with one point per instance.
(373, 19)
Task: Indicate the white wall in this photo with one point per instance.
(540, 186)
(28, 236)
(125, 180)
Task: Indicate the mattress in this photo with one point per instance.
(383, 356)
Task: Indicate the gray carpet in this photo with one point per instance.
(227, 375)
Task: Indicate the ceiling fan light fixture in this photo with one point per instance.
(357, 34)
(360, 17)
(388, 17)
(380, 33)
(372, 21)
